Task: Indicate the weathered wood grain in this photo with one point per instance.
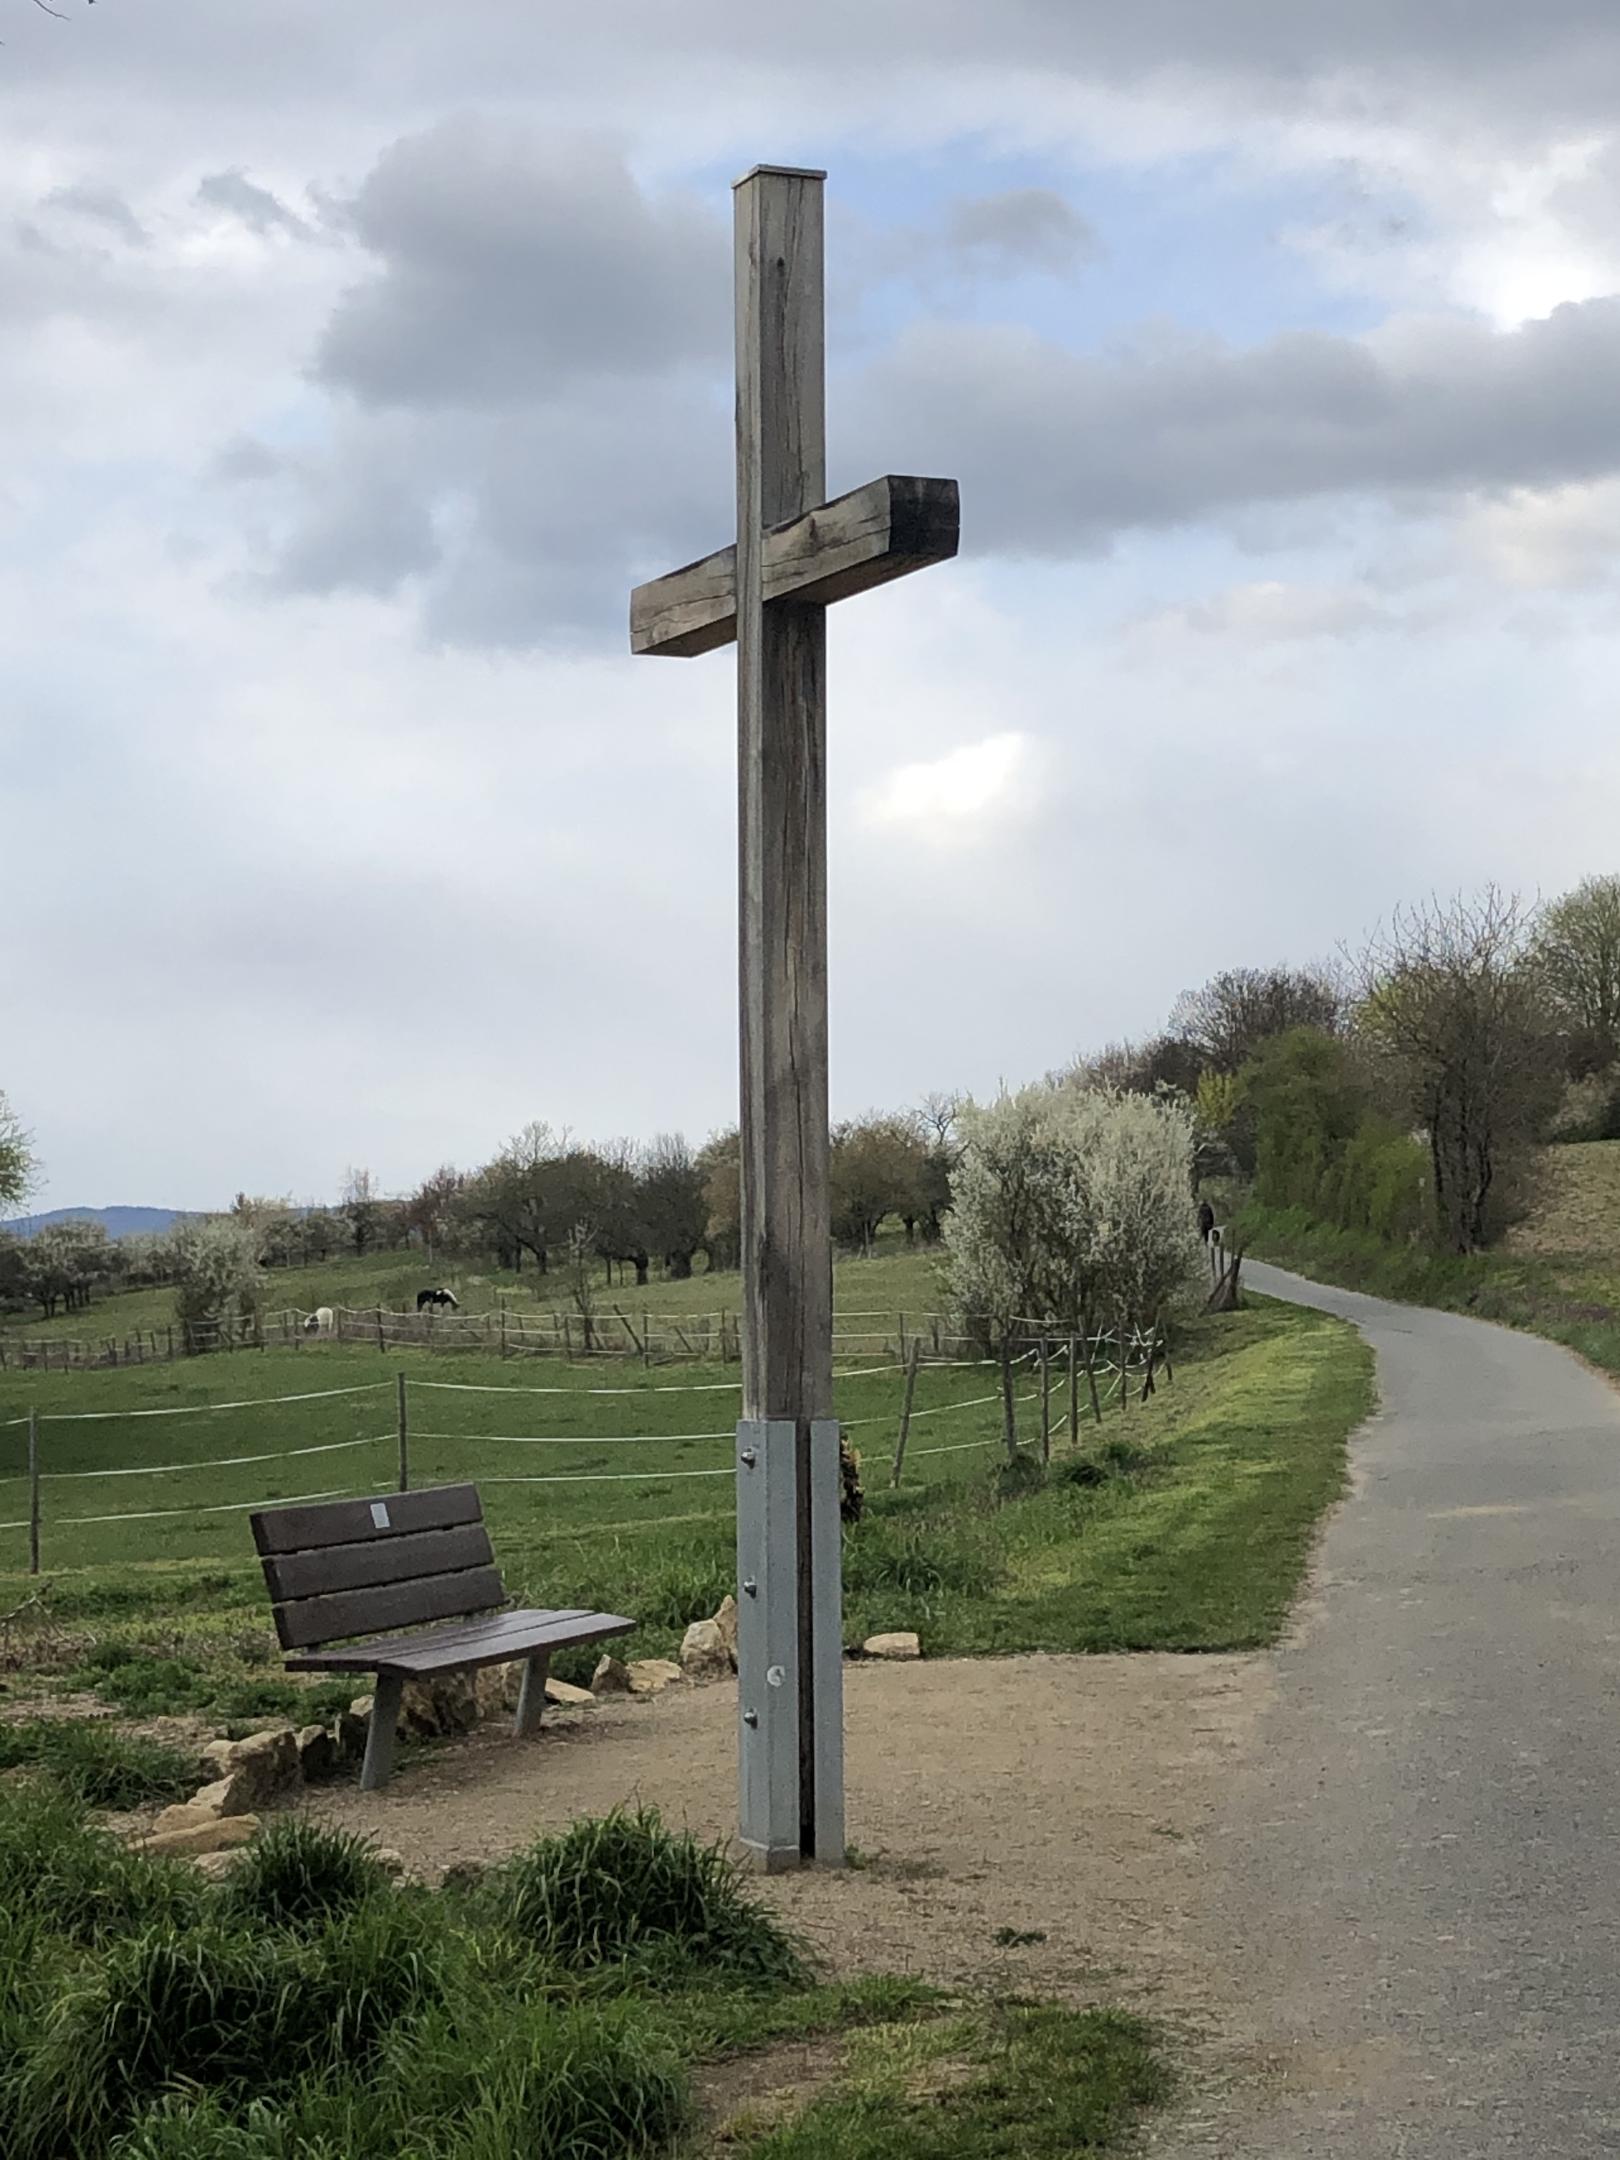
(857, 541)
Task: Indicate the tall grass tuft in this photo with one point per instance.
(79, 1883)
(627, 1888)
(298, 1874)
(103, 1768)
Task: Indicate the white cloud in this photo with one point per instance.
(968, 795)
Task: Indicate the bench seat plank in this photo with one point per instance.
(355, 1522)
(503, 1639)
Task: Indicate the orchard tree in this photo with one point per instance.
(431, 1211)
(674, 1202)
(877, 1167)
(362, 1209)
(720, 1161)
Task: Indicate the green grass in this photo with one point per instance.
(198, 2022)
(1181, 1525)
(101, 1767)
(1020, 2081)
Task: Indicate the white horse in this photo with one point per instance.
(322, 1321)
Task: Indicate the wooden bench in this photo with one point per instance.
(342, 1569)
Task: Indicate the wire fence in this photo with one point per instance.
(650, 1337)
(1094, 1370)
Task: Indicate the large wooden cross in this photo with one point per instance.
(795, 552)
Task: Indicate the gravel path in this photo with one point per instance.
(1411, 1886)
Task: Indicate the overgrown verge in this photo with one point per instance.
(1572, 1300)
(307, 2008)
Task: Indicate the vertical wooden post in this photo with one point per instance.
(902, 1337)
(905, 1410)
(1046, 1401)
(33, 1492)
(382, 1340)
(1124, 1366)
(568, 1338)
(404, 1440)
(786, 1332)
(503, 1327)
(1009, 1411)
(169, 1333)
(1074, 1393)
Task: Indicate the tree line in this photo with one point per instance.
(1402, 1088)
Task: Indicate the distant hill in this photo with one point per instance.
(118, 1222)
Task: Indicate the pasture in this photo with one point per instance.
(1183, 1523)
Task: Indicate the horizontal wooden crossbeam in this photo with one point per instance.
(865, 538)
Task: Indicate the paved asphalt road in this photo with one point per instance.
(1417, 1871)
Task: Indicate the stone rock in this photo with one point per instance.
(184, 1815)
(651, 1675)
(265, 1762)
(391, 1862)
(448, 1703)
(215, 1866)
(569, 1698)
(317, 1753)
(203, 1834)
(611, 1677)
(352, 1727)
(704, 1655)
(726, 1621)
(891, 1646)
(224, 1797)
(496, 1688)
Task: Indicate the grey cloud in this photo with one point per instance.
(256, 207)
(1059, 451)
(1020, 229)
(509, 263)
(367, 534)
(102, 206)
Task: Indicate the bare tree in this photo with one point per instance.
(1449, 996)
(362, 1208)
(1576, 949)
(674, 1202)
(1228, 1019)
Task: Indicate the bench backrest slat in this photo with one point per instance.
(384, 1560)
(313, 1620)
(362, 1567)
(357, 1522)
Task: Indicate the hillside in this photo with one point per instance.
(118, 1222)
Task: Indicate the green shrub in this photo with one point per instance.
(625, 1887)
(96, 1765)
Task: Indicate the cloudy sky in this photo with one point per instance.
(355, 360)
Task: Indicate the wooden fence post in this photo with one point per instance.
(1124, 1366)
(1009, 1411)
(382, 1340)
(1046, 1401)
(905, 1411)
(33, 1492)
(503, 1327)
(404, 1440)
(1074, 1394)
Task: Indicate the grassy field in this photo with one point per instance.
(892, 1280)
(1182, 1524)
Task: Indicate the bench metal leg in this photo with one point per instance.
(532, 1695)
(374, 1771)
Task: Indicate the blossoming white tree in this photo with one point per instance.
(1069, 1205)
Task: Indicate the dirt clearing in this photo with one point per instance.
(1032, 1822)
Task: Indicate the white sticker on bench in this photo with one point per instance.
(379, 1515)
